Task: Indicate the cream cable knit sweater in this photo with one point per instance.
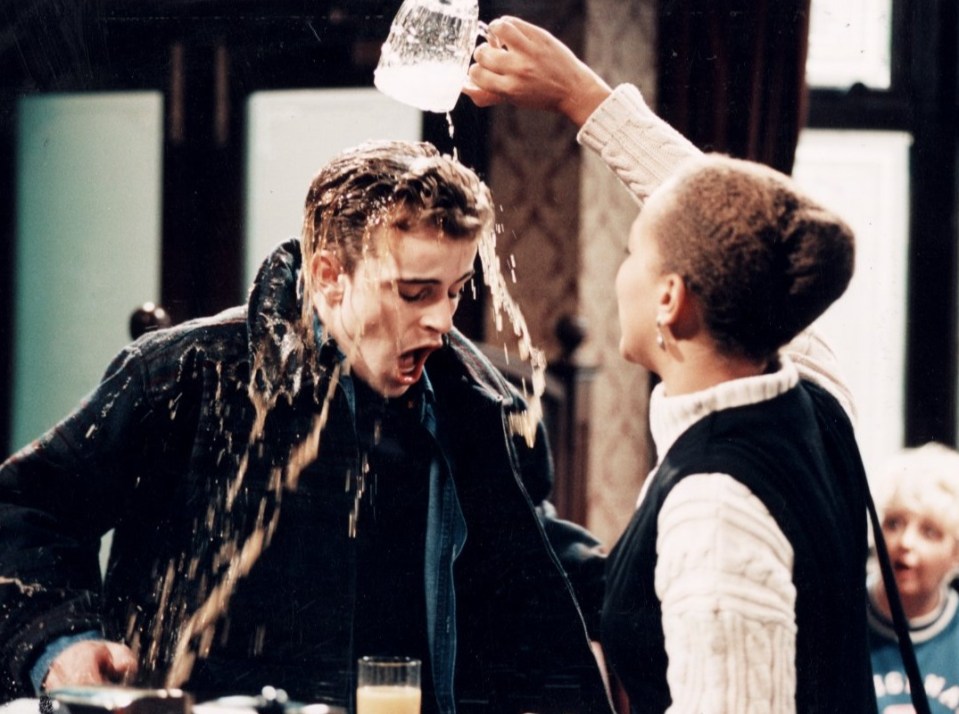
(724, 569)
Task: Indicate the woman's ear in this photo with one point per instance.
(672, 299)
(678, 311)
(328, 276)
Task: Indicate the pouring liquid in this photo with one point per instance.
(429, 86)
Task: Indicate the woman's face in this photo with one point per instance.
(922, 551)
(637, 288)
(393, 311)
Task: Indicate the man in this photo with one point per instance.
(323, 474)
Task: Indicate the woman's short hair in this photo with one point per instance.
(398, 184)
(924, 480)
(763, 259)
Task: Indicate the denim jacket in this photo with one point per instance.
(170, 452)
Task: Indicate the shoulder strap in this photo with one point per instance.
(916, 688)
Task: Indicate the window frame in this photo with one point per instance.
(921, 100)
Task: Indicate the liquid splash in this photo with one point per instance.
(237, 555)
(196, 636)
(505, 307)
(28, 589)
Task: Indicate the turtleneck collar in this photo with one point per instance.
(670, 417)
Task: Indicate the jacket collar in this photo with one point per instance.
(282, 346)
(278, 340)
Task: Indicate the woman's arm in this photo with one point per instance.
(640, 148)
(527, 66)
(724, 579)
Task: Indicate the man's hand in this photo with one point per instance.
(91, 662)
(527, 66)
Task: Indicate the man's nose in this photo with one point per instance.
(439, 317)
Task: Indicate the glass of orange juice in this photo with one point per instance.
(388, 685)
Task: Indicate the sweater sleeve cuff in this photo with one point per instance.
(617, 110)
(642, 149)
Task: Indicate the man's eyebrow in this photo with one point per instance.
(434, 281)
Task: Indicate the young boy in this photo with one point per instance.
(918, 501)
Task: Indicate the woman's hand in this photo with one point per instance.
(91, 662)
(525, 65)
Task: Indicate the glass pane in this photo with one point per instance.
(87, 243)
(849, 42)
(290, 135)
(864, 176)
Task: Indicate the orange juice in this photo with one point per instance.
(387, 699)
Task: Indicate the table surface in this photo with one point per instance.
(21, 706)
(39, 706)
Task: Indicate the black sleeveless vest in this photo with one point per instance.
(797, 453)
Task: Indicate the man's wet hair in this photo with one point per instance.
(402, 185)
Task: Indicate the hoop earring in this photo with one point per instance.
(660, 340)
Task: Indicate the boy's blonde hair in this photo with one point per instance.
(924, 480)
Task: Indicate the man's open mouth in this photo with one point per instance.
(411, 363)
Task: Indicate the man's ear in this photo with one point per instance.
(328, 276)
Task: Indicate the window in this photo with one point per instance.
(88, 200)
(849, 42)
(863, 175)
(284, 149)
(880, 148)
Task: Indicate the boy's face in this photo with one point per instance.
(922, 551)
(392, 313)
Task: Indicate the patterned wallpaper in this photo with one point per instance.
(564, 220)
(535, 176)
(620, 45)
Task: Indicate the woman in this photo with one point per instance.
(739, 583)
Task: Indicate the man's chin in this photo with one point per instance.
(389, 388)
(395, 390)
